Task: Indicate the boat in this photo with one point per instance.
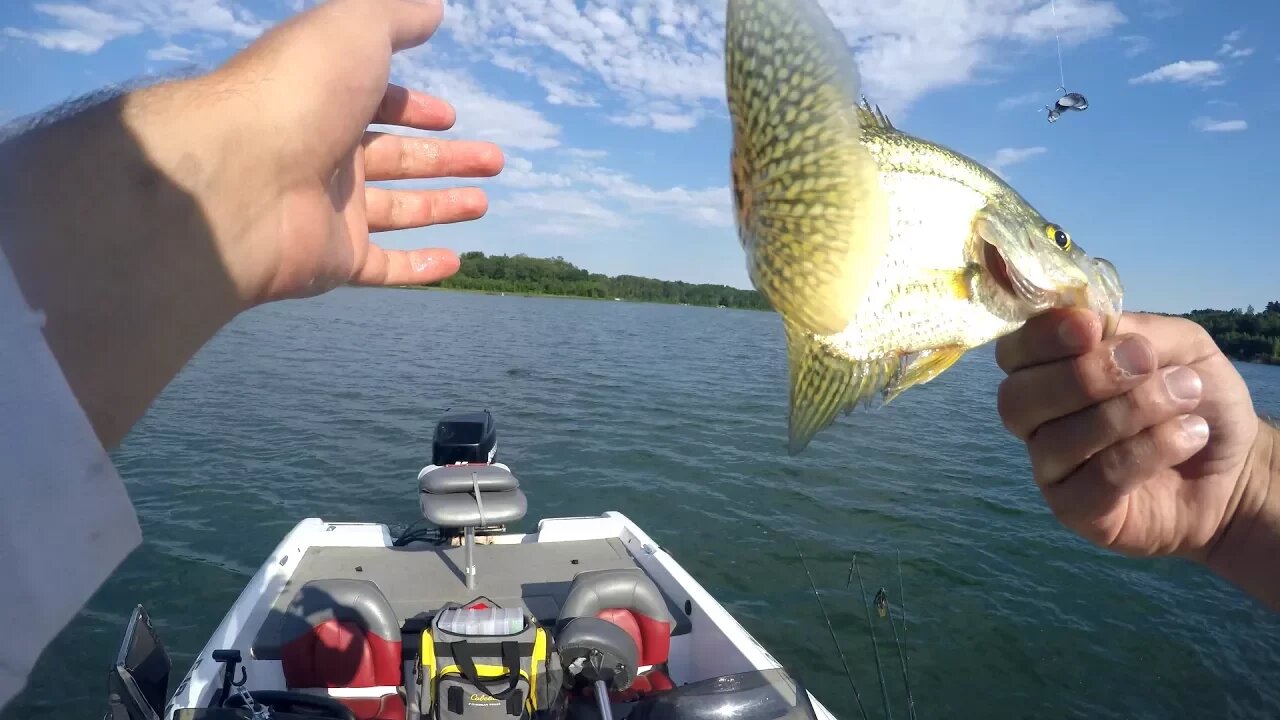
(457, 617)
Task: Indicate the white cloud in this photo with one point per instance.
(1205, 124)
(1035, 98)
(85, 28)
(560, 87)
(82, 29)
(518, 172)
(1075, 20)
(651, 51)
(1159, 9)
(1135, 45)
(663, 121)
(563, 212)
(586, 199)
(1006, 157)
(480, 115)
(586, 153)
(171, 52)
(1230, 49)
(1192, 72)
(1234, 52)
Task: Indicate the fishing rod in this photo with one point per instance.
(847, 673)
(875, 647)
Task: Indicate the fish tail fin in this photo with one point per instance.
(824, 384)
(810, 211)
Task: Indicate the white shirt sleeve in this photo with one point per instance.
(66, 521)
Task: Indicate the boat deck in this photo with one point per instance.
(418, 579)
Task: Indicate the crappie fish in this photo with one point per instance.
(887, 256)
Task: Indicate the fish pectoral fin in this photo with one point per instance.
(955, 282)
(924, 367)
(811, 213)
(823, 384)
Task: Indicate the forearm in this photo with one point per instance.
(1248, 551)
(104, 219)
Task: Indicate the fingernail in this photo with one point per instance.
(1196, 428)
(1183, 383)
(1072, 335)
(1132, 357)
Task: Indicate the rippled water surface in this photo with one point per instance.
(677, 417)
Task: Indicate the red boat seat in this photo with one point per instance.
(627, 598)
(341, 638)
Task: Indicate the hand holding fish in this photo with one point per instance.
(1146, 443)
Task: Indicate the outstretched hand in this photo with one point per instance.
(310, 88)
(219, 192)
(1141, 443)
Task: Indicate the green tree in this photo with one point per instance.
(557, 276)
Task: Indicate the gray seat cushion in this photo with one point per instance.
(458, 510)
(463, 478)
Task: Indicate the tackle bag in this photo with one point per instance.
(481, 661)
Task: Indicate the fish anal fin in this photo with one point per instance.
(924, 367)
(824, 384)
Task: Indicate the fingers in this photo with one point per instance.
(406, 267)
(401, 209)
(1050, 336)
(1060, 446)
(1099, 488)
(1035, 395)
(393, 157)
(410, 108)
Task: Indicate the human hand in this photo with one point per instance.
(1142, 443)
(295, 211)
(222, 191)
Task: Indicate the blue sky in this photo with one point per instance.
(612, 116)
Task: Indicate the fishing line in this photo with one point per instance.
(902, 601)
(1062, 75)
(847, 673)
(882, 606)
(875, 647)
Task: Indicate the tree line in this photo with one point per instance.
(557, 276)
(1245, 334)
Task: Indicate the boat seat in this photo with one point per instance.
(470, 495)
(341, 638)
(627, 598)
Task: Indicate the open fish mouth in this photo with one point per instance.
(1007, 277)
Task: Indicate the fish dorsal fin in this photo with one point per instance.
(872, 116)
(810, 211)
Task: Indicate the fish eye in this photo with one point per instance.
(1058, 236)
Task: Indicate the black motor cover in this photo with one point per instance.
(464, 437)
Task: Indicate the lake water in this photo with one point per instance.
(677, 417)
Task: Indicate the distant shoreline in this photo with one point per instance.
(529, 294)
(1244, 335)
